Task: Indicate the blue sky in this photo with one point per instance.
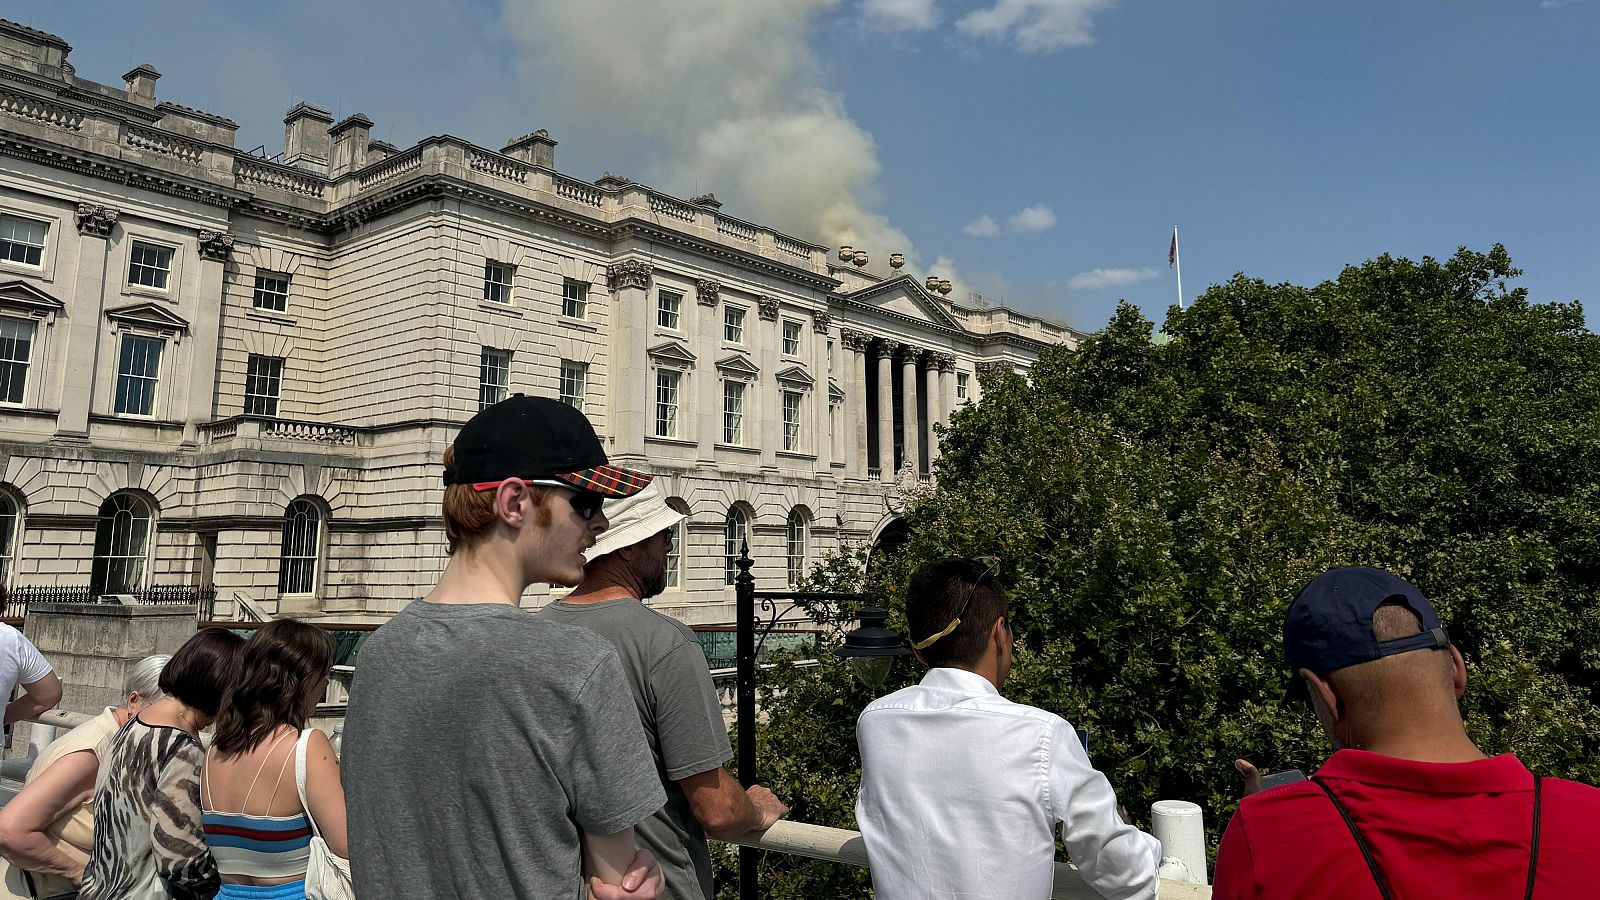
(1285, 139)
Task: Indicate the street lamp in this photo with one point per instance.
(871, 649)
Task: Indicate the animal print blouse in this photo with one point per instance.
(147, 839)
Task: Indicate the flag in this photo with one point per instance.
(1172, 251)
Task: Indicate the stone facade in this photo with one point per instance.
(242, 372)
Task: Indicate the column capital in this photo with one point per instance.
(95, 220)
(854, 340)
(767, 308)
(216, 245)
(944, 362)
(707, 291)
(822, 321)
(629, 273)
(886, 349)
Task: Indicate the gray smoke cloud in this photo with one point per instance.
(728, 97)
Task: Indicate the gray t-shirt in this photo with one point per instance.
(480, 744)
(682, 721)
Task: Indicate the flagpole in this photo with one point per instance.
(1177, 257)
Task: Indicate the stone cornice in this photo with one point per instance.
(60, 157)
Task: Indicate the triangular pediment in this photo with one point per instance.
(835, 394)
(672, 351)
(796, 375)
(23, 297)
(738, 364)
(149, 315)
(905, 297)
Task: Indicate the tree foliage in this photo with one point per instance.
(1156, 505)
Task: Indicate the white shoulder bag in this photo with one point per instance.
(327, 874)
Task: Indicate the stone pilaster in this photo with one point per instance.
(886, 351)
(205, 347)
(935, 411)
(911, 454)
(856, 401)
(630, 384)
(86, 308)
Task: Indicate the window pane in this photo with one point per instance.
(667, 403)
(263, 385)
(301, 548)
(667, 307)
(676, 555)
(797, 547)
(497, 281)
(16, 347)
(736, 536)
(494, 372)
(271, 291)
(574, 299)
(573, 377)
(149, 265)
(137, 373)
(733, 412)
(733, 324)
(122, 541)
(22, 240)
(791, 420)
(791, 338)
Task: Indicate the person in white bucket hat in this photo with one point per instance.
(672, 688)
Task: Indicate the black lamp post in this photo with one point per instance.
(871, 649)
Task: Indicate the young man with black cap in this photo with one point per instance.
(489, 753)
(1407, 806)
(962, 791)
(672, 688)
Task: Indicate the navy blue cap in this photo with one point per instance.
(1329, 624)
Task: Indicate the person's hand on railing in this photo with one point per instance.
(767, 803)
(1252, 776)
(642, 881)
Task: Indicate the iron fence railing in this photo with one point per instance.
(14, 601)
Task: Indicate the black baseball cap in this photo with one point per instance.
(1329, 624)
(537, 438)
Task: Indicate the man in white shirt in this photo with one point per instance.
(961, 789)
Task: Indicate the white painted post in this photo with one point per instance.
(1180, 827)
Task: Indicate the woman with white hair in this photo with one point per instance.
(46, 831)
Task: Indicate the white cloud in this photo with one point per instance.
(1034, 218)
(1036, 26)
(1103, 279)
(982, 226)
(899, 15)
(1557, 4)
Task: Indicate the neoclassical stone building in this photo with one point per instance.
(221, 370)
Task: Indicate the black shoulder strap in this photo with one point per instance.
(1533, 853)
(1361, 842)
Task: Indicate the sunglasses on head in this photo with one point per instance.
(585, 503)
(972, 590)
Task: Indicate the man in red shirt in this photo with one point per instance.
(1408, 806)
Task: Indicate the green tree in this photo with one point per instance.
(1155, 507)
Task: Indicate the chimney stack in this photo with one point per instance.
(350, 139)
(305, 138)
(536, 149)
(142, 85)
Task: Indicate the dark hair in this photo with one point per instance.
(203, 669)
(281, 661)
(936, 594)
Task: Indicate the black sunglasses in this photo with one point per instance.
(586, 504)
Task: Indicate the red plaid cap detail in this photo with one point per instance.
(610, 481)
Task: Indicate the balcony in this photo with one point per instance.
(263, 428)
(14, 601)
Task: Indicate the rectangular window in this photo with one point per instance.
(16, 349)
(263, 385)
(733, 412)
(667, 306)
(494, 373)
(830, 356)
(573, 377)
(138, 372)
(733, 324)
(149, 265)
(675, 554)
(272, 291)
(791, 420)
(961, 385)
(791, 338)
(22, 240)
(574, 299)
(497, 280)
(667, 383)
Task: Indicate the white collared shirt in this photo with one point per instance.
(961, 792)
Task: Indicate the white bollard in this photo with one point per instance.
(1180, 827)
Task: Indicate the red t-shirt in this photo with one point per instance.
(1456, 830)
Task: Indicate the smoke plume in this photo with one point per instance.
(727, 97)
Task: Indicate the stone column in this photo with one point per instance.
(886, 351)
(630, 384)
(206, 332)
(708, 381)
(908, 402)
(855, 402)
(935, 408)
(817, 406)
(85, 310)
(947, 385)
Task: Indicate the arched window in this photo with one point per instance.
(121, 544)
(680, 533)
(10, 530)
(797, 545)
(301, 552)
(736, 534)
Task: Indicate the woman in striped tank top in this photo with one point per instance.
(254, 823)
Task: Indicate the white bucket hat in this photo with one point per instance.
(634, 519)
